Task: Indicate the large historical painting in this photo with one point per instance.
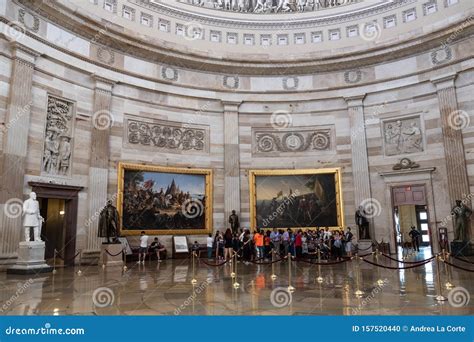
(164, 200)
(295, 198)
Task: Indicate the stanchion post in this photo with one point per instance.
(448, 283)
(291, 289)
(358, 292)
(236, 285)
(439, 297)
(273, 276)
(319, 279)
(54, 261)
(124, 257)
(379, 282)
(79, 272)
(194, 281)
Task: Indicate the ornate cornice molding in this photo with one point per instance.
(276, 24)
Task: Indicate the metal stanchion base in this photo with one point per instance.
(380, 282)
(125, 268)
(449, 285)
(236, 285)
(319, 279)
(79, 272)
(441, 298)
(274, 276)
(291, 289)
(232, 275)
(194, 281)
(55, 271)
(359, 293)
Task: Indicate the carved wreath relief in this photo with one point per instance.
(402, 136)
(290, 141)
(165, 136)
(58, 136)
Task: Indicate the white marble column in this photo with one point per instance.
(102, 120)
(15, 141)
(231, 160)
(360, 159)
(452, 121)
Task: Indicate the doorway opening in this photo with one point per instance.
(53, 231)
(411, 210)
(58, 206)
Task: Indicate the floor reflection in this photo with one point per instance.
(165, 289)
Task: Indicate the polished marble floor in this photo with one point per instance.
(165, 289)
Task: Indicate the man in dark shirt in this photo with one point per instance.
(415, 238)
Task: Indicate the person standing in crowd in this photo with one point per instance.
(415, 238)
(267, 244)
(276, 239)
(299, 244)
(292, 242)
(304, 243)
(258, 240)
(348, 239)
(217, 244)
(143, 247)
(157, 247)
(209, 243)
(286, 242)
(247, 247)
(228, 237)
(337, 246)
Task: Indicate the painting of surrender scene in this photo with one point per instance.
(164, 199)
(296, 198)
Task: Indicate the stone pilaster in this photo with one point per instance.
(231, 160)
(15, 129)
(102, 120)
(360, 159)
(452, 121)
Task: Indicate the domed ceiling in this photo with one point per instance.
(261, 36)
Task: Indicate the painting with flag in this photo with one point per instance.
(295, 198)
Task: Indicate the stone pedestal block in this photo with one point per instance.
(30, 259)
(462, 248)
(111, 255)
(364, 246)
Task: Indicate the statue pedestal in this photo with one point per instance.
(462, 248)
(30, 259)
(114, 256)
(364, 246)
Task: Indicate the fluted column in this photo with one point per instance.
(231, 159)
(15, 129)
(102, 120)
(360, 159)
(452, 123)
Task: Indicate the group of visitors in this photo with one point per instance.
(259, 245)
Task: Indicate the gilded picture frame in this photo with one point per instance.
(333, 174)
(206, 208)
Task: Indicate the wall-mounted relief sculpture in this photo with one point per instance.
(296, 139)
(169, 136)
(57, 154)
(402, 135)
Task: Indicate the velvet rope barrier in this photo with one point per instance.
(456, 266)
(323, 263)
(215, 265)
(461, 259)
(407, 262)
(366, 249)
(74, 257)
(113, 255)
(397, 268)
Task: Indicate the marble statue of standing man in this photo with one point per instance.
(32, 217)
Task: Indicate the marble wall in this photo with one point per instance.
(363, 120)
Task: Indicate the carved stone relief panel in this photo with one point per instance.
(57, 153)
(402, 135)
(314, 139)
(174, 137)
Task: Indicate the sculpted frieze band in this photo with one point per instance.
(169, 136)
